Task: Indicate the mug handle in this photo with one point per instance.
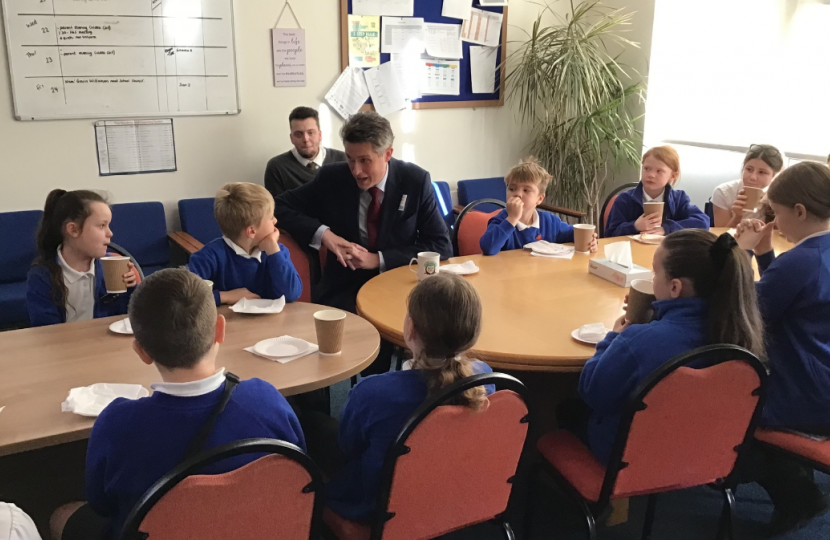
(414, 260)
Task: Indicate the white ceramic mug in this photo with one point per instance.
(428, 262)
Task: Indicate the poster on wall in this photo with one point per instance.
(289, 56)
(364, 41)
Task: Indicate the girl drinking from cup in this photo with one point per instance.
(761, 164)
(661, 169)
(66, 283)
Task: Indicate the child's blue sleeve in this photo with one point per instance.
(498, 234)
(686, 216)
(782, 283)
(96, 469)
(205, 265)
(42, 309)
(282, 276)
(557, 231)
(354, 423)
(610, 376)
(618, 222)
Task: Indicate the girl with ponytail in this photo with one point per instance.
(66, 282)
(705, 295)
(442, 323)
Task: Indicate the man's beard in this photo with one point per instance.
(309, 154)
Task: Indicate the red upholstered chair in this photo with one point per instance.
(682, 427)
(449, 468)
(306, 263)
(276, 496)
(815, 454)
(609, 203)
(470, 226)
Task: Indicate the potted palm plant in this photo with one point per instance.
(568, 87)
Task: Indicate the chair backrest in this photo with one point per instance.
(141, 229)
(444, 200)
(306, 263)
(197, 219)
(709, 210)
(19, 244)
(276, 496)
(482, 188)
(688, 422)
(609, 203)
(450, 467)
(471, 224)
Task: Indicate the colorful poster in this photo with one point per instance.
(364, 41)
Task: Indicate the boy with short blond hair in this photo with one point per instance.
(136, 442)
(248, 261)
(520, 223)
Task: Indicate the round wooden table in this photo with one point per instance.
(41, 365)
(531, 305)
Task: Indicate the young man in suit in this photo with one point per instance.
(299, 165)
(373, 213)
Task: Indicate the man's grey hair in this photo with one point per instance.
(368, 127)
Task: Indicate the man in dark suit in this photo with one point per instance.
(373, 213)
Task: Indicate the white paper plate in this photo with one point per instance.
(122, 327)
(259, 306)
(650, 241)
(281, 347)
(575, 335)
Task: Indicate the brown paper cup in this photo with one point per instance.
(330, 324)
(583, 234)
(114, 269)
(640, 298)
(653, 208)
(753, 198)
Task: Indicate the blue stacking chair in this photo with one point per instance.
(198, 219)
(444, 200)
(141, 229)
(19, 250)
(482, 188)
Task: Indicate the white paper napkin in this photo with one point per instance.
(592, 332)
(542, 248)
(619, 253)
(639, 238)
(259, 305)
(468, 267)
(91, 400)
(312, 348)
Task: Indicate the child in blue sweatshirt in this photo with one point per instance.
(794, 297)
(705, 294)
(248, 261)
(134, 443)
(661, 169)
(443, 321)
(520, 223)
(66, 282)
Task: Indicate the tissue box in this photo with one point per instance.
(616, 273)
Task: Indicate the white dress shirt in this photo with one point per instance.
(658, 198)
(15, 524)
(257, 254)
(318, 159)
(80, 290)
(536, 222)
(192, 388)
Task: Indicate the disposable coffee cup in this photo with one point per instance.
(114, 270)
(209, 283)
(753, 198)
(329, 324)
(653, 208)
(640, 298)
(428, 264)
(583, 235)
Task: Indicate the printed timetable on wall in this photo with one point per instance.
(117, 58)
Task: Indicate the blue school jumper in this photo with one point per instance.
(624, 360)
(373, 416)
(794, 297)
(134, 443)
(43, 311)
(502, 236)
(678, 212)
(275, 276)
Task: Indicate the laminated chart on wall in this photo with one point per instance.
(117, 58)
(135, 146)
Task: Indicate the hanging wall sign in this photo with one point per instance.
(289, 56)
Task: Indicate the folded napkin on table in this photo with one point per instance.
(468, 267)
(592, 332)
(91, 400)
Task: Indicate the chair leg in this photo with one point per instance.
(650, 509)
(508, 531)
(590, 520)
(354, 380)
(727, 516)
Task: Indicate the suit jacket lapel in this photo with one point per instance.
(391, 201)
(351, 210)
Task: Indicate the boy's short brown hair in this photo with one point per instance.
(529, 171)
(173, 315)
(239, 205)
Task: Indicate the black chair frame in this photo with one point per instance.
(464, 212)
(813, 464)
(124, 253)
(709, 356)
(213, 455)
(399, 448)
(608, 199)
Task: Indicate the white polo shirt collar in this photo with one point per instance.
(536, 222)
(70, 275)
(193, 388)
(257, 254)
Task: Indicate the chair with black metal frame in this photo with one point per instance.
(478, 221)
(657, 449)
(609, 203)
(124, 253)
(428, 478)
(811, 452)
(278, 495)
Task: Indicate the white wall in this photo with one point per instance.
(452, 144)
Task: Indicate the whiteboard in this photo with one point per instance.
(121, 58)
